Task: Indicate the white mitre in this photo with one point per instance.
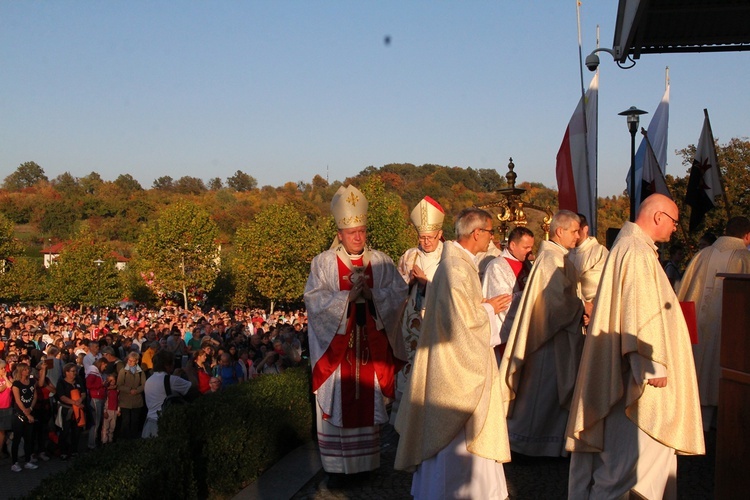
(349, 208)
(428, 215)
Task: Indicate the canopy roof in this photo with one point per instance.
(668, 26)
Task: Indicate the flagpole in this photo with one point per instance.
(718, 168)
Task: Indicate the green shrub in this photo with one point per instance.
(210, 448)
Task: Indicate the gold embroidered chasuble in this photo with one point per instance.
(454, 382)
(636, 312)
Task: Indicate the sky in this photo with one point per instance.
(287, 89)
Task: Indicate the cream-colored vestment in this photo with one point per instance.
(455, 386)
(623, 432)
(588, 259)
(701, 285)
(541, 359)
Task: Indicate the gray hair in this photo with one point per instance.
(562, 220)
(470, 219)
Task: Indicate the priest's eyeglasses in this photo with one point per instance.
(675, 221)
(427, 239)
(491, 231)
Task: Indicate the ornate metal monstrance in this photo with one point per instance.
(510, 208)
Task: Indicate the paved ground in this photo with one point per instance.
(528, 478)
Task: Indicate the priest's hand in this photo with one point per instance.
(419, 275)
(658, 382)
(500, 302)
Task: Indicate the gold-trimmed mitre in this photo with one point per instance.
(349, 207)
(428, 215)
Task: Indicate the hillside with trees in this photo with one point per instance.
(230, 242)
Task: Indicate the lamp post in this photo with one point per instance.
(633, 115)
(98, 263)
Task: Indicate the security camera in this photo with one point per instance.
(592, 62)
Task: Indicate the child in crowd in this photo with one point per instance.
(111, 408)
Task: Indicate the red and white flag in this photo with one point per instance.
(576, 160)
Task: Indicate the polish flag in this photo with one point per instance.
(576, 160)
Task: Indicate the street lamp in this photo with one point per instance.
(633, 115)
(98, 263)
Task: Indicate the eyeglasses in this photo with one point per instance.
(428, 239)
(491, 231)
(675, 221)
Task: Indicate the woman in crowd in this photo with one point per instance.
(199, 371)
(72, 397)
(24, 397)
(43, 409)
(6, 411)
(130, 383)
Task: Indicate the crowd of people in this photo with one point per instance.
(107, 371)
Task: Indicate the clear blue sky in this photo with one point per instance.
(284, 90)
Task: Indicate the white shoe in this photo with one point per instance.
(30, 466)
(16, 467)
(33, 459)
(44, 457)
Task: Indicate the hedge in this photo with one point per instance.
(210, 448)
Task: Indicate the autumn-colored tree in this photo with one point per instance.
(178, 253)
(272, 254)
(85, 273)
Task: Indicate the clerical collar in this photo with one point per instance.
(354, 256)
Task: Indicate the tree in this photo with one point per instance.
(241, 181)
(91, 183)
(178, 253)
(58, 219)
(215, 184)
(85, 273)
(67, 185)
(9, 246)
(190, 185)
(164, 183)
(387, 226)
(26, 175)
(24, 281)
(128, 184)
(268, 258)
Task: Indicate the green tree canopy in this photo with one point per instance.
(241, 181)
(127, 184)
(163, 183)
(190, 185)
(24, 281)
(26, 175)
(9, 245)
(178, 252)
(388, 228)
(269, 259)
(85, 273)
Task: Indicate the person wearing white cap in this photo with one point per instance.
(417, 266)
(351, 293)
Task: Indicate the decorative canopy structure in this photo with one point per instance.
(669, 26)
